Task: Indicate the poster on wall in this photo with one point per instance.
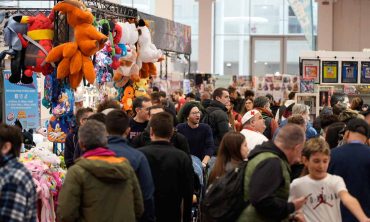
(349, 72)
(277, 85)
(365, 72)
(311, 69)
(329, 72)
(21, 102)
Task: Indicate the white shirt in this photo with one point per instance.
(324, 203)
(253, 138)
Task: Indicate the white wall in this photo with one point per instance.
(344, 25)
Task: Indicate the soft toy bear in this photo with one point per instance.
(12, 32)
(40, 35)
(127, 98)
(75, 56)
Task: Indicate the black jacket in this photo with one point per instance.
(266, 179)
(172, 173)
(218, 120)
(177, 140)
(71, 145)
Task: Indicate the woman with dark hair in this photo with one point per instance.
(233, 150)
(248, 105)
(356, 103)
(334, 134)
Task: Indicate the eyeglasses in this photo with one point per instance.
(196, 113)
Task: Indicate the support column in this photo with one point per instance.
(205, 36)
(325, 26)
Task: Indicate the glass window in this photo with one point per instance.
(267, 57)
(267, 16)
(146, 6)
(238, 21)
(187, 12)
(28, 4)
(294, 48)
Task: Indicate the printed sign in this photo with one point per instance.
(21, 102)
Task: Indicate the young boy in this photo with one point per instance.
(322, 190)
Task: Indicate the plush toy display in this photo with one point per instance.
(13, 29)
(127, 68)
(128, 97)
(75, 56)
(40, 35)
(141, 87)
(148, 52)
(129, 37)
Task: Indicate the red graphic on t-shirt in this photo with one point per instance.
(322, 200)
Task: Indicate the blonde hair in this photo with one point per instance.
(315, 145)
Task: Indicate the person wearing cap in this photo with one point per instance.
(352, 162)
(199, 135)
(253, 128)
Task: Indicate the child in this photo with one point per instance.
(322, 190)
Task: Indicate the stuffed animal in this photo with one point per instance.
(13, 29)
(148, 52)
(75, 56)
(126, 63)
(127, 98)
(141, 87)
(129, 37)
(40, 35)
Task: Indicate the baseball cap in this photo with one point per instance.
(249, 115)
(359, 126)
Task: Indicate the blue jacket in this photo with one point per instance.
(310, 131)
(141, 167)
(352, 162)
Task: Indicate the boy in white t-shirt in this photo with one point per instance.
(323, 190)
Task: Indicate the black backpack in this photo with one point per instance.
(224, 198)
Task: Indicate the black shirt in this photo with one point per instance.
(136, 128)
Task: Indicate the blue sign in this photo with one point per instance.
(21, 102)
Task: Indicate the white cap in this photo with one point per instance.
(249, 115)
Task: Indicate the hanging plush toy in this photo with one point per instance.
(148, 52)
(75, 56)
(128, 97)
(129, 37)
(141, 87)
(12, 32)
(40, 35)
(127, 68)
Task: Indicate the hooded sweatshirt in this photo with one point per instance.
(100, 187)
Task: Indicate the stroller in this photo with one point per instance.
(200, 185)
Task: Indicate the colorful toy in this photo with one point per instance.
(148, 52)
(141, 87)
(40, 35)
(75, 56)
(12, 32)
(128, 96)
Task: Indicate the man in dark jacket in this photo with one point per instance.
(177, 140)
(172, 172)
(216, 114)
(117, 122)
(267, 177)
(71, 144)
(352, 161)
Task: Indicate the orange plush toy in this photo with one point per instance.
(127, 98)
(74, 57)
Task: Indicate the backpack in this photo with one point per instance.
(224, 198)
(208, 119)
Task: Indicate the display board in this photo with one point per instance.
(21, 102)
(349, 72)
(169, 35)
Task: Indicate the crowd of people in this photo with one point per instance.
(139, 165)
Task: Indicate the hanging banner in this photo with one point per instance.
(304, 12)
(168, 35)
(21, 102)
